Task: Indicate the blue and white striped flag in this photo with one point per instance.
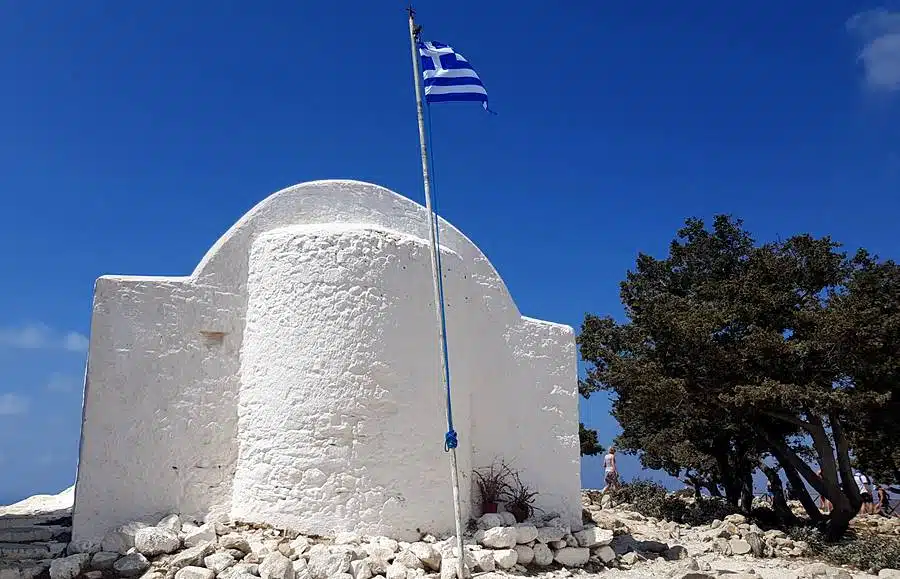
(449, 76)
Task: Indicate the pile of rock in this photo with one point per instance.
(735, 536)
(184, 550)
(32, 533)
(877, 524)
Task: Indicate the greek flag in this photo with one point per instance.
(449, 76)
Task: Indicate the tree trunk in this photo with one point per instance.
(713, 489)
(788, 461)
(747, 490)
(779, 504)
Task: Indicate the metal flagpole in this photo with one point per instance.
(438, 289)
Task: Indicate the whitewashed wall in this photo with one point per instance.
(296, 370)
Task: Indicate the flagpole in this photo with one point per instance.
(438, 290)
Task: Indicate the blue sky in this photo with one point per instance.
(135, 133)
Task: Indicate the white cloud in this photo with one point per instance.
(12, 404)
(36, 336)
(879, 32)
(75, 342)
(62, 383)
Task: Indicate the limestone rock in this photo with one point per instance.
(506, 558)
(550, 534)
(630, 558)
(132, 565)
(606, 554)
(93, 575)
(191, 572)
(347, 538)
(103, 560)
(489, 521)
(889, 574)
(484, 560)
(409, 560)
(593, 537)
(508, 518)
(68, 567)
(396, 571)
(121, 539)
(191, 557)
(500, 538)
(525, 534)
(449, 569)
(300, 545)
(739, 547)
(525, 555)
(277, 566)
(172, 522)
(359, 569)
(572, 556)
(218, 562)
(202, 534)
(323, 563)
(427, 554)
(151, 541)
(543, 556)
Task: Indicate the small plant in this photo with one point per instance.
(493, 485)
(519, 499)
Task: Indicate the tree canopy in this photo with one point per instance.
(735, 351)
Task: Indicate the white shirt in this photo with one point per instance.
(608, 463)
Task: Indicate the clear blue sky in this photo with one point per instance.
(132, 134)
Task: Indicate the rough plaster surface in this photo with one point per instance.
(293, 378)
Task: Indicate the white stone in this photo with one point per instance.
(500, 538)
(572, 556)
(427, 554)
(104, 560)
(68, 567)
(889, 574)
(317, 299)
(151, 541)
(347, 538)
(277, 566)
(191, 572)
(550, 534)
(323, 564)
(525, 534)
(508, 519)
(449, 569)
(121, 538)
(489, 521)
(218, 562)
(409, 560)
(739, 547)
(525, 554)
(484, 560)
(606, 554)
(361, 569)
(191, 557)
(593, 537)
(202, 534)
(543, 556)
(235, 541)
(506, 558)
(396, 571)
(131, 565)
(300, 545)
(171, 522)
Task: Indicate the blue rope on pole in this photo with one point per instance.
(451, 439)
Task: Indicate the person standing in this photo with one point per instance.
(611, 472)
(865, 493)
(883, 502)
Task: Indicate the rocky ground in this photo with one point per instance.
(616, 542)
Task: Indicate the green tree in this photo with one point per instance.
(743, 350)
(590, 445)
